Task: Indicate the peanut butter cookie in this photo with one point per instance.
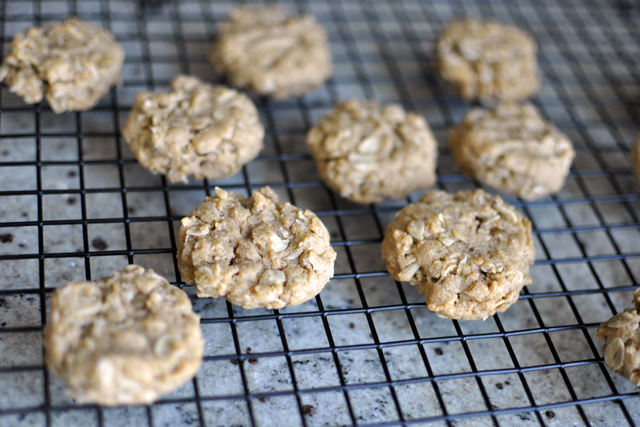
(123, 340)
(512, 148)
(488, 61)
(468, 253)
(254, 252)
(622, 342)
(272, 53)
(195, 129)
(72, 63)
(368, 152)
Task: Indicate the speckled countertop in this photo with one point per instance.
(74, 204)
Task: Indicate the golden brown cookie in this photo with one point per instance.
(72, 63)
(622, 342)
(368, 152)
(196, 129)
(254, 252)
(468, 253)
(123, 340)
(488, 61)
(270, 52)
(512, 148)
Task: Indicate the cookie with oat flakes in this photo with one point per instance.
(254, 251)
(123, 340)
(469, 253)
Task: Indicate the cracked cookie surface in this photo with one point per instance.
(468, 253)
(488, 61)
(255, 251)
(123, 340)
(196, 129)
(635, 158)
(368, 152)
(513, 149)
(622, 342)
(271, 52)
(72, 63)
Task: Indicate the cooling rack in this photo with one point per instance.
(74, 205)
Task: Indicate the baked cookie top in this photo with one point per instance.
(468, 253)
(73, 63)
(368, 152)
(488, 60)
(514, 149)
(254, 252)
(123, 340)
(635, 158)
(271, 52)
(195, 129)
(622, 342)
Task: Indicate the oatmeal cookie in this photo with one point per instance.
(488, 61)
(195, 129)
(367, 152)
(512, 148)
(72, 63)
(622, 342)
(635, 158)
(123, 340)
(468, 253)
(272, 53)
(254, 252)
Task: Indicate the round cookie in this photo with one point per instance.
(622, 342)
(367, 152)
(195, 129)
(272, 53)
(72, 63)
(254, 252)
(513, 149)
(123, 340)
(488, 61)
(468, 253)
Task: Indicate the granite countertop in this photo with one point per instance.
(66, 181)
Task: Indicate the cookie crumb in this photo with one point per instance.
(99, 244)
(308, 410)
(6, 238)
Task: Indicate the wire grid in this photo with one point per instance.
(75, 204)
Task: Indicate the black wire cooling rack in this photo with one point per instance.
(75, 204)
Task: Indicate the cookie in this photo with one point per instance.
(72, 63)
(368, 152)
(196, 129)
(622, 342)
(635, 158)
(254, 252)
(513, 149)
(123, 340)
(468, 253)
(488, 61)
(270, 52)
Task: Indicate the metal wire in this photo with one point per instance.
(585, 271)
